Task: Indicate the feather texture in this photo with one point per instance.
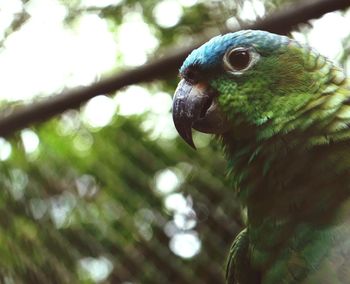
(288, 147)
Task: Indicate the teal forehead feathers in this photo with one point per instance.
(210, 54)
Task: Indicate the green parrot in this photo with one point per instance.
(282, 113)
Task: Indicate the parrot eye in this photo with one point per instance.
(239, 59)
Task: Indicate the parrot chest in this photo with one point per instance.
(309, 254)
(297, 212)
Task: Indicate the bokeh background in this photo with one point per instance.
(108, 193)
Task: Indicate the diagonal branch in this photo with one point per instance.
(281, 22)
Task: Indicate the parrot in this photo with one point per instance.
(281, 112)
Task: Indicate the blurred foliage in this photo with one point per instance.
(83, 206)
(91, 194)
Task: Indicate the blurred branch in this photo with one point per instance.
(281, 22)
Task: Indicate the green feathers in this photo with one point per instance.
(296, 163)
(287, 140)
(279, 89)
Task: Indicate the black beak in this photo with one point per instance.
(194, 106)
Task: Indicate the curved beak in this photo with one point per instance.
(194, 106)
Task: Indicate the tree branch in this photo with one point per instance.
(280, 22)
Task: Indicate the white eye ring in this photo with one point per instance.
(238, 60)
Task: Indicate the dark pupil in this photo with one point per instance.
(239, 59)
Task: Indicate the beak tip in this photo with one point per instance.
(186, 134)
(191, 143)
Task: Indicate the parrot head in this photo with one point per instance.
(251, 77)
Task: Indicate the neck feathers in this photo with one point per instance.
(278, 159)
(325, 116)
